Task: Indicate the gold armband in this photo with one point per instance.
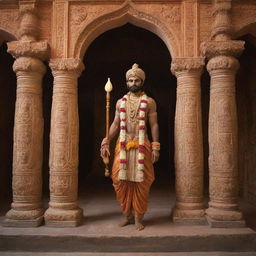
(155, 145)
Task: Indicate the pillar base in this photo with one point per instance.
(224, 215)
(24, 218)
(189, 217)
(63, 218)
(225, 223)
(23, 223)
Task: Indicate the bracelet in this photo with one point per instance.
(155, 145)
(104, 144)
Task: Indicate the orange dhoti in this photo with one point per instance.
(133, 195)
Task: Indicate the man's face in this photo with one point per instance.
(134, 84)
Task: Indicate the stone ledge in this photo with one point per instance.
(225, 224)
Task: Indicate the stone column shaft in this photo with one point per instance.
(189, 207)
(63, 207)
(27, 207)
(223, 165)
(223, 208)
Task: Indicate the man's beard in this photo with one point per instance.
(135, 89)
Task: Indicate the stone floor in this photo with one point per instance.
(100, 235)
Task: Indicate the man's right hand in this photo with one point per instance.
(104, 150)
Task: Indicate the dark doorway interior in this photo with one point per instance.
(246, 103)
(111, 55)
(7, 107)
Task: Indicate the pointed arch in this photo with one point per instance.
(126, 14)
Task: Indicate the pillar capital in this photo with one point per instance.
(182, 65)
(211, 49)
(40, 49)
(67, 65)
(225, 63)
(28, 64)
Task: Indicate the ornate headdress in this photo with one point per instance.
(135, 71)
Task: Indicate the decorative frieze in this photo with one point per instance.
(40, 49)
(212, 49)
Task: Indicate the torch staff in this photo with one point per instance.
(108, 89)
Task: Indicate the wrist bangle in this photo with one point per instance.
(155, 145)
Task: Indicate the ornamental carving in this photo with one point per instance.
(29, 65)
(70, 64)
(78, 15)
(171, 13)
(126, 13)
(187, 64)
(39, 50)
(223, 62)
(27, 185)
(212, 49)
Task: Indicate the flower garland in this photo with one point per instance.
(123, 148)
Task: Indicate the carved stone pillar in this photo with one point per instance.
(223, 208)
(63, 208)
(189, 206)
(27, 209)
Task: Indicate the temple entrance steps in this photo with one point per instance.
(100, 235)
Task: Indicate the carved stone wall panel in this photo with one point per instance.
(80, 15)
(59, 38)
(205, 22)
(45, 21)
(9, 20)
(148, 16)
(243, 14)
(190, 45)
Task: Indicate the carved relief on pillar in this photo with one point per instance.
(27, 207)
(187, 65)
(189, 205)
(212, 49)
(39, 50)
(64, 210)
(223, 166)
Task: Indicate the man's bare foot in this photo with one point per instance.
(128, 220)
(138, 225)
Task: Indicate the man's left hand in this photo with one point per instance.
(155, 156)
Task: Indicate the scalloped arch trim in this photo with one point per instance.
(126, 14)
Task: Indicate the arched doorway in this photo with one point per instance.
(111, 55)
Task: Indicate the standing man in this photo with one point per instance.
(133, 171)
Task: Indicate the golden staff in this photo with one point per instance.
(108, 89)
